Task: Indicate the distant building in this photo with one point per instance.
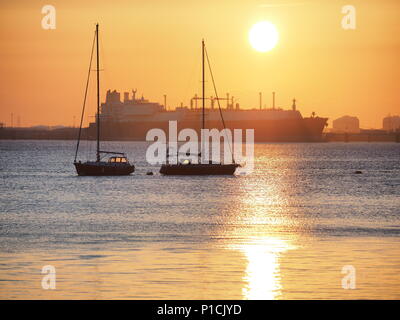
(391, 123)
(346, 124)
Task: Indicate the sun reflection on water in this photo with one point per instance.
(262, 217)
(262, 275)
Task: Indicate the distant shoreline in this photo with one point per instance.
(72, 134)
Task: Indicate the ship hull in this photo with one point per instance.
(198, 169)
(103, 169)
(286, 130)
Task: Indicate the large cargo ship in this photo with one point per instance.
(132, 118)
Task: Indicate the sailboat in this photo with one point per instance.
(117, 163)
(187, 167)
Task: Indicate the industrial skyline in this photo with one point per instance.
(384, 123)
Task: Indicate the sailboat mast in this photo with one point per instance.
(203, 89)
(203, 100)
(98, 94)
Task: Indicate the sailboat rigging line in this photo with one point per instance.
(84, 99)
(219, 106)
(98, 93)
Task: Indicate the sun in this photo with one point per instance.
(263, 36)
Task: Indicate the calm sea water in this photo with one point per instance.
(284, 231)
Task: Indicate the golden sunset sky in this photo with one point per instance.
(155, 46)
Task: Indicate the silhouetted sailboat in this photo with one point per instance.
(189, 168)
(118, 163)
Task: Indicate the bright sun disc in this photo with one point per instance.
(263, 36)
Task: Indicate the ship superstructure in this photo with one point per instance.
(131, 119)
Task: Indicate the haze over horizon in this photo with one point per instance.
(154, 46)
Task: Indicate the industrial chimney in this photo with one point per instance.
(273, 100)
(126, 97)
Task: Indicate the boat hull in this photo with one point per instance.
(285, 130)
(198, 169)
(103, 169)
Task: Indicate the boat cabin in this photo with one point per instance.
(117, 160)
